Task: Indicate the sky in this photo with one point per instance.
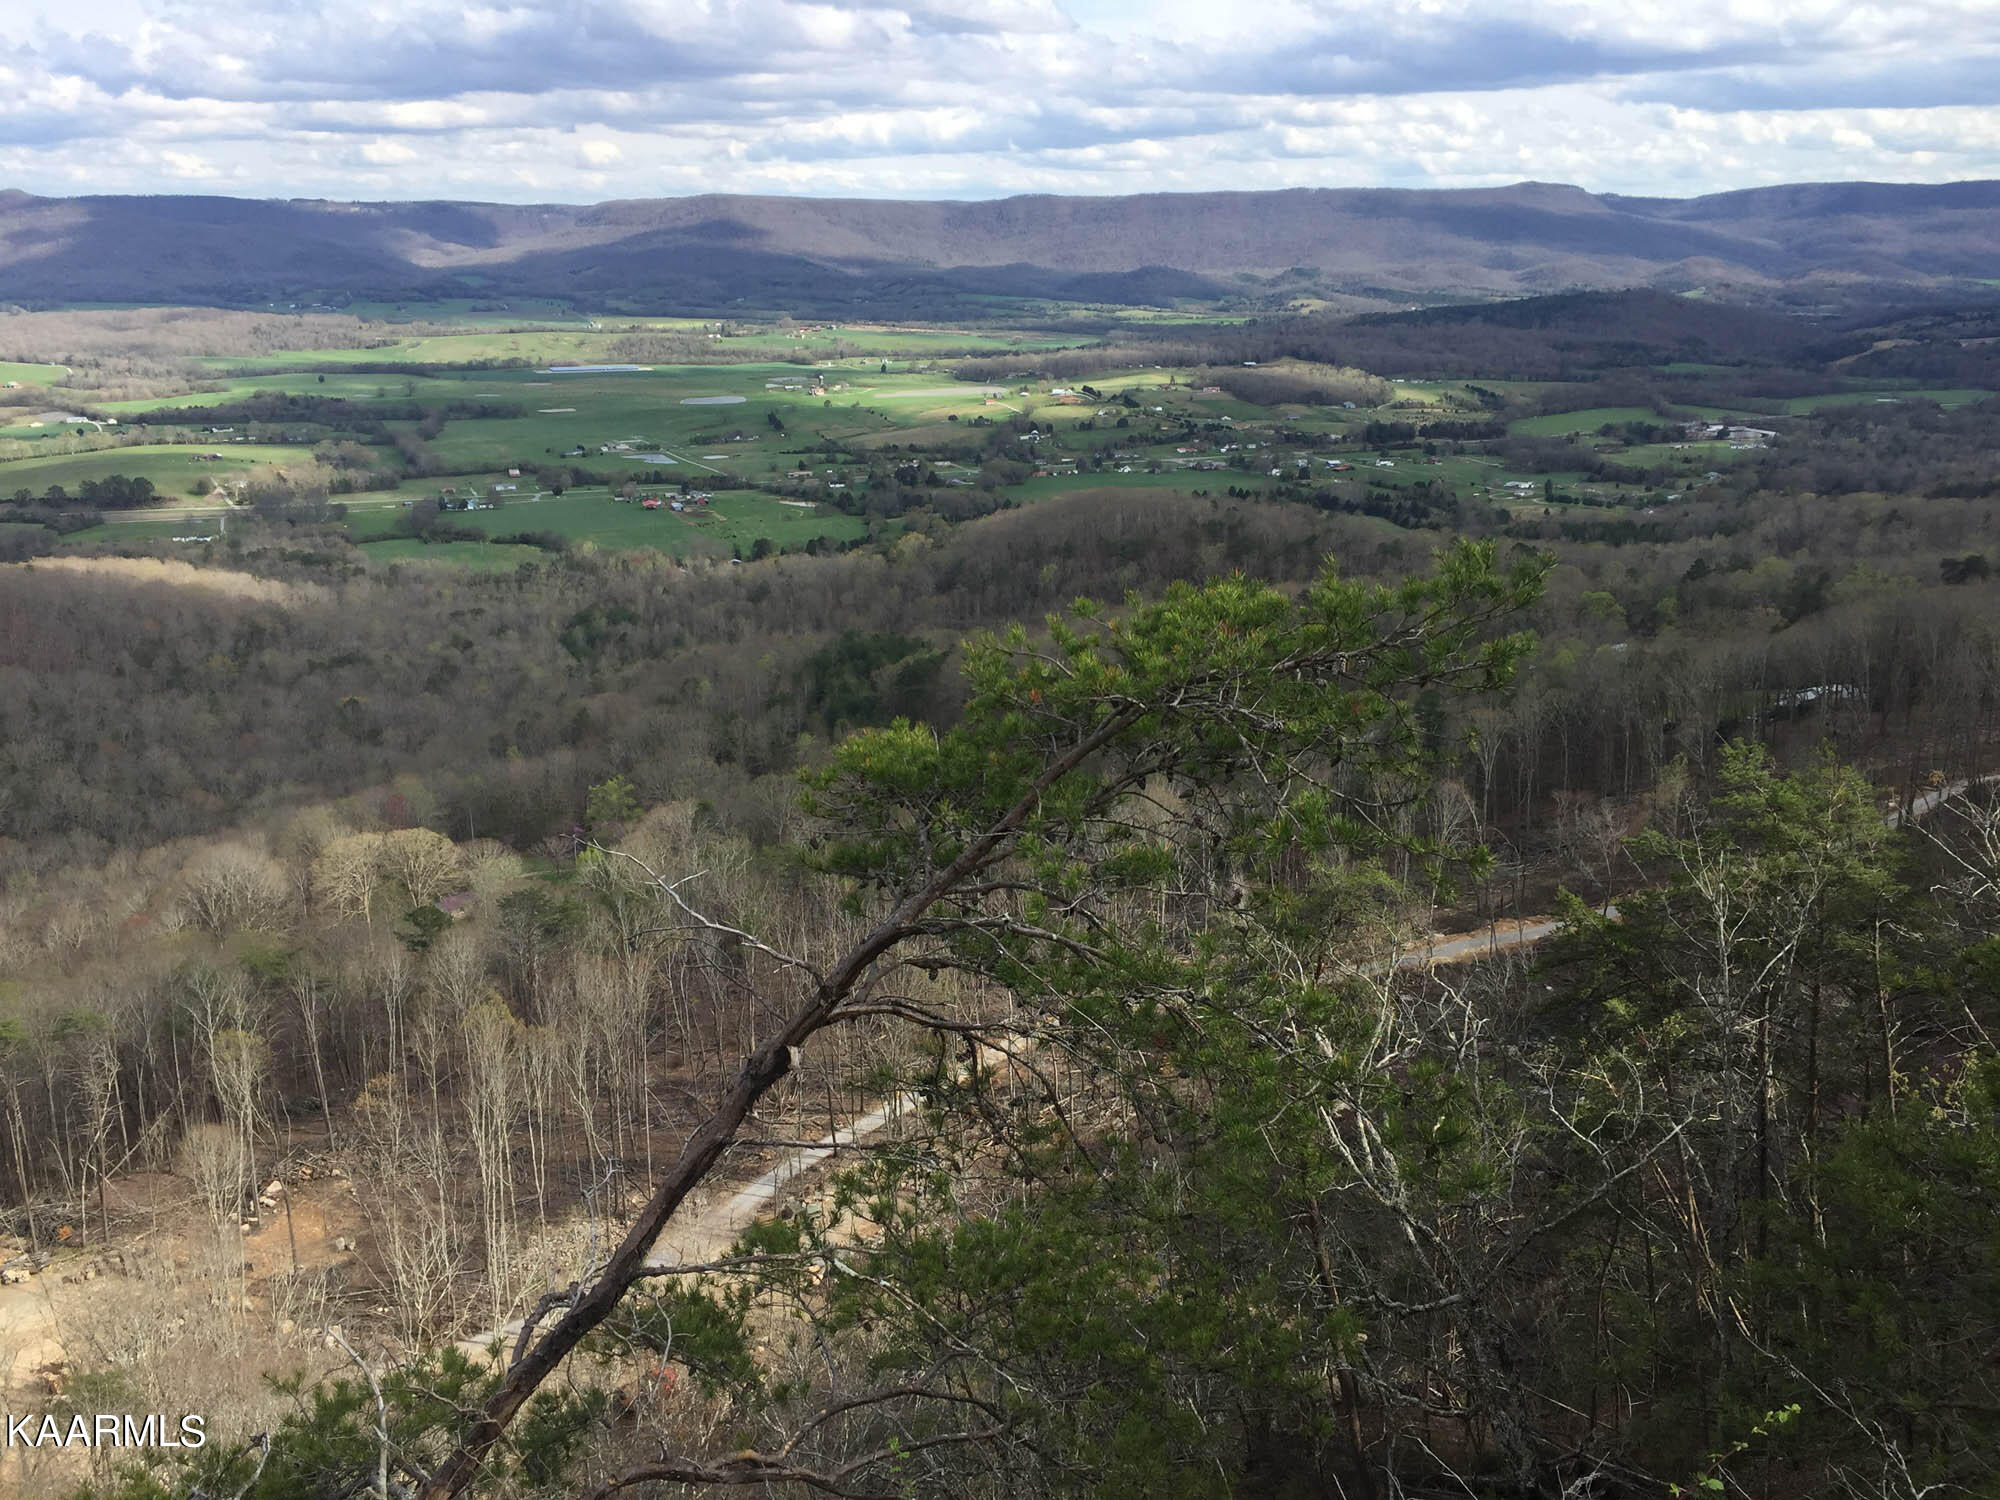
(583, 100)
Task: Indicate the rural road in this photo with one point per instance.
(703, 1236)
(1495, 939)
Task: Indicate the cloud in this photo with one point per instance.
(525, 99)
(186, 166)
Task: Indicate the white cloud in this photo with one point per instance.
(521, 99)
(186, 165)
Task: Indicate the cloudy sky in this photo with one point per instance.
(575, 100)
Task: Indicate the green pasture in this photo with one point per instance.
(880, 340)
(1430, 393)
(1800, 405)
(533, 345)
(143, 526)
(360, 388)
(1563, 424)
(485, 556)
(173, 468)
(733, 518)
(574, 344)
(32, 374)
(22, 432)
(1701, 456)
(1209, 408)
(651, 411)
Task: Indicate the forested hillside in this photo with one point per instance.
(881, 938)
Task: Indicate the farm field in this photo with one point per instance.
(734, 518)
(498, 339)
(172, 468)
(32, 426)
(486, 557)
(1563, 424)
(31, 374)
(792, 422)
(1945, 397)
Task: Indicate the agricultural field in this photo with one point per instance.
(31, 374)
(172, 468)
(553, 419)
(732, 519)
(485, 557)
(498, 339)
(1567, 423)
(1945, 397)
(1589, 420)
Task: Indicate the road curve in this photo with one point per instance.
(703, 1235)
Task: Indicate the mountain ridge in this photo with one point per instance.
(1792, 242)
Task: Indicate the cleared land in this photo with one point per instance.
(801, 431)
(172, 468)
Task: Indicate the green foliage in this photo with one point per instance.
(541, 919)
(1882, 1300)
(330, 1443)
(1232, 679)
(421, 926)
(868, 678)
(700, 1327)
(1164, 1317)
(611, 802)
(1712, 1481)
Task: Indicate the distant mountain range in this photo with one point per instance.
(1819, 243)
